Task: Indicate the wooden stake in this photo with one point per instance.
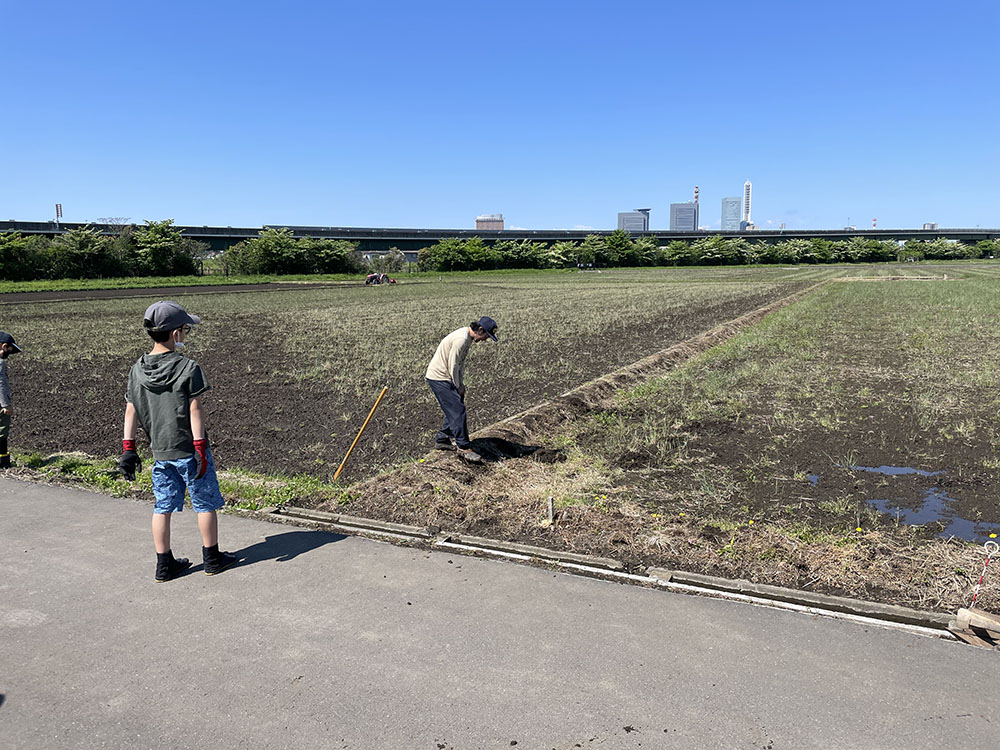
(342, 463)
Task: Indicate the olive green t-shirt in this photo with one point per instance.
(160, 387)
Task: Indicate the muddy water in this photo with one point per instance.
(936, 506)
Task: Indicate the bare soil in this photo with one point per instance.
(641, 526)
(11, 298)
(260, 419)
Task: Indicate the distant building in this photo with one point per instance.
(684, 217)
(745, 220)
(634, 221)
(930, 225)
(489, 221)
(731, 213)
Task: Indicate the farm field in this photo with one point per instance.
(848, 443)
(294, 372)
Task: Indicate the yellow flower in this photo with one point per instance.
(682, 514)
(751, 522)
(993, 536)
(421, 460)
(858, 529)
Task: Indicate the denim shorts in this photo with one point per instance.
(172, 478)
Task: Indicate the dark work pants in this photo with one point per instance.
(455, 425)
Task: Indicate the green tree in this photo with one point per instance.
(788, 251)
(677, 253)
(82, 253)
(161, 250)
(561, 254)
(592, 251)
(390, 262)
(618, 248)
(645, 251)
(269, 252)
(22, 258)
(716, 251)
(446, 255)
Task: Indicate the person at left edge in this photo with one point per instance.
(7, 347)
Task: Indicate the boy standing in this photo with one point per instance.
(164, 396)
(445, 376)
(7, 347)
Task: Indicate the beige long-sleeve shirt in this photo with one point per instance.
(448, 362)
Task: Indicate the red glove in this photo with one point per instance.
(201, 453)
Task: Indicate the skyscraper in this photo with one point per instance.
(731, 214)
(684, 217)
(745, 220)
(634, 221)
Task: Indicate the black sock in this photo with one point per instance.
(165, 558)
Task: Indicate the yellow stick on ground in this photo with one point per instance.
(377, 402)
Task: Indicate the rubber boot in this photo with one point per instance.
(4, 455)
(216, 561)
(167, 567)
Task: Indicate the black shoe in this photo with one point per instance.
(5, 461)
(442, 446)
(167, 567)
(215, 561)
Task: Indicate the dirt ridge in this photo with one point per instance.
(588, 396)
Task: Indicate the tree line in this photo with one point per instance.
(158, 248)
(620, 249)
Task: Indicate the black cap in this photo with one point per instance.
(490, 326)
(6, 338)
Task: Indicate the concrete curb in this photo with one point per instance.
(351, 523)
(913, 620)
(858, 607)
(528, 550)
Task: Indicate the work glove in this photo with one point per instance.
(130, 462)
(201, 454)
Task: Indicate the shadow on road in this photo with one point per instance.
(285, 547)
(1, 699)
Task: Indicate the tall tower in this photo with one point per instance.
(731, 214)
(746, 202)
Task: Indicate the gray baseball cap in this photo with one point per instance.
(167, 316)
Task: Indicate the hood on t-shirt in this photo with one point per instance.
(158, 372)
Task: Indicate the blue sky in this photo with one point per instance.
(556, 114)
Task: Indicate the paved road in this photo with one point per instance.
(322, 641)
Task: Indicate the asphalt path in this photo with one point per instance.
(322, 641)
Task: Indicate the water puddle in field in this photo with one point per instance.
(935, 506)
(895, 471)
